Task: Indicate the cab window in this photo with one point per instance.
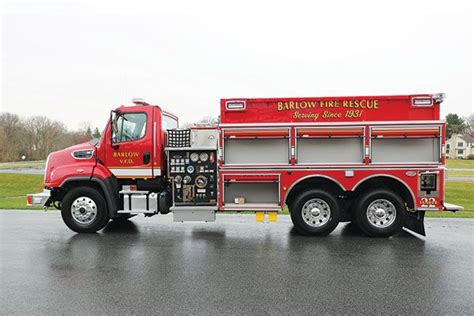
(169, 122)
(128, 127)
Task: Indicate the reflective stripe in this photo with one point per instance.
(139, 172)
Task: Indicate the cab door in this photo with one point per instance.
(130, 154)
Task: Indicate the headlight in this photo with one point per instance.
(83, 154)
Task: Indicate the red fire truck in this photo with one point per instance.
(376, 160)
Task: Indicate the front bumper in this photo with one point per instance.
(38, 199)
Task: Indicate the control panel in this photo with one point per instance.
(194, 176)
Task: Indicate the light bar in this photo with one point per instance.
(139, 101)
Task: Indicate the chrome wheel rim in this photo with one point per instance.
(83, 210)
(316, 212)
(381, 213)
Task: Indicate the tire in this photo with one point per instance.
(84, 210)
(379, 213)
(315, 213)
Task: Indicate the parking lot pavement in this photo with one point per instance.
(237, 266)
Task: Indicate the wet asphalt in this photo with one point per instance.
(232, 266)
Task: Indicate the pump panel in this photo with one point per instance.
(194, 176)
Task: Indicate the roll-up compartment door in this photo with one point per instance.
(406, 145)
(254, 191)
(246, 147)
(330, 145)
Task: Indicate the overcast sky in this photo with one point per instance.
(75, 60)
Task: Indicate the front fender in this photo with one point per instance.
(60, 174)
(109, 187)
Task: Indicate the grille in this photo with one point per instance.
(179, 138)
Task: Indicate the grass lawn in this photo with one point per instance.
(461, 193)
(14, 187)
(22, 164)
(458, 163)
(461, 173)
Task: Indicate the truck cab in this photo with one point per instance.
(87, 178)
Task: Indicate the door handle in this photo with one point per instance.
(146, 158)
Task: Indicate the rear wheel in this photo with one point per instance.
(379, 213)
(315, 213)
(84, 210)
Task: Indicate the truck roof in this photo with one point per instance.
(419, 107)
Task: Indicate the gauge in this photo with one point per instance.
(178, 179)
(190, 169)
(201, 182)
(194, 157)
(187, 179)
(203, 156)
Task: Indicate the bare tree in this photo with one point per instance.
(36, 137)
(470, 122)
(3, 143)
(13, 131)
(44, 136)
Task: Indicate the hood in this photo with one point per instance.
(81, 156)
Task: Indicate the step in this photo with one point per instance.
(134, 192)
(136, 212)
(194, 213)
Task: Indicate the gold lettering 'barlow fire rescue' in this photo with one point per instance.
(301, 105)
(328, 109)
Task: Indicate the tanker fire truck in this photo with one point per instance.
(378, 161)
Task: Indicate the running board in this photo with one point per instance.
(136, 212)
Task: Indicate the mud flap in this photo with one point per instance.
(415, 222)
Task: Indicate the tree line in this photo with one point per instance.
(33, 138)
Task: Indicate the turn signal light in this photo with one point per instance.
(29, 200)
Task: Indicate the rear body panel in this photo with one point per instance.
(347, 140)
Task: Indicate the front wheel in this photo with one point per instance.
(84, 210)
(379, 213)
(315, 213)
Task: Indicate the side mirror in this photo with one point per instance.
(114, 115)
